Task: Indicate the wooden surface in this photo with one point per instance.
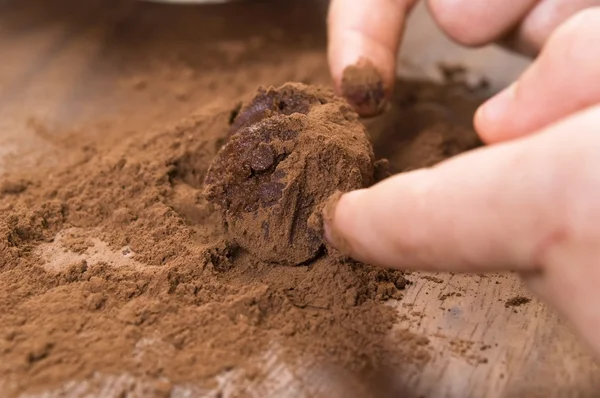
(56, 74)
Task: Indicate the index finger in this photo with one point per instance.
(363, 32)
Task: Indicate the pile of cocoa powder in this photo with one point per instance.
(113, 262)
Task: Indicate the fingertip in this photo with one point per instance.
(363, 41)
(329, 228)
(483, 128)
(480, 125)
(364, 88)
(363, 72)
(492, 119)
(337, 226)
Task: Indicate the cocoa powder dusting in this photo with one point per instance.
(118, 261)
(179, 286)
(363, 87)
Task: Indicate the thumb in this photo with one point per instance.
(494, 208)
(530, 205)
(560, 82)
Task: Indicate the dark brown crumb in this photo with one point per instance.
(382, 170)
(444, 296)
(434, 279)
(517, 301)
(12, 187)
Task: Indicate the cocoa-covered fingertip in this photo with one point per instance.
(334, 241)
(364, 88)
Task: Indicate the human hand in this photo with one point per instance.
(371, 30)
(530, 203)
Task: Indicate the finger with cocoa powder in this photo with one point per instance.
(364, 36)
(368, 32)
(363, 88)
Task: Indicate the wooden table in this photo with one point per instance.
(64, 67)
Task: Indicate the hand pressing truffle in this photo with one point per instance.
(290, 149)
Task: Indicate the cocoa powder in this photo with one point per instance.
(177, 283)
(113, 262)
(184, 285)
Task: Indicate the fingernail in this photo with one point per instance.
(363, 88)
(332, 234)
(497, 108)
(329, 214)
